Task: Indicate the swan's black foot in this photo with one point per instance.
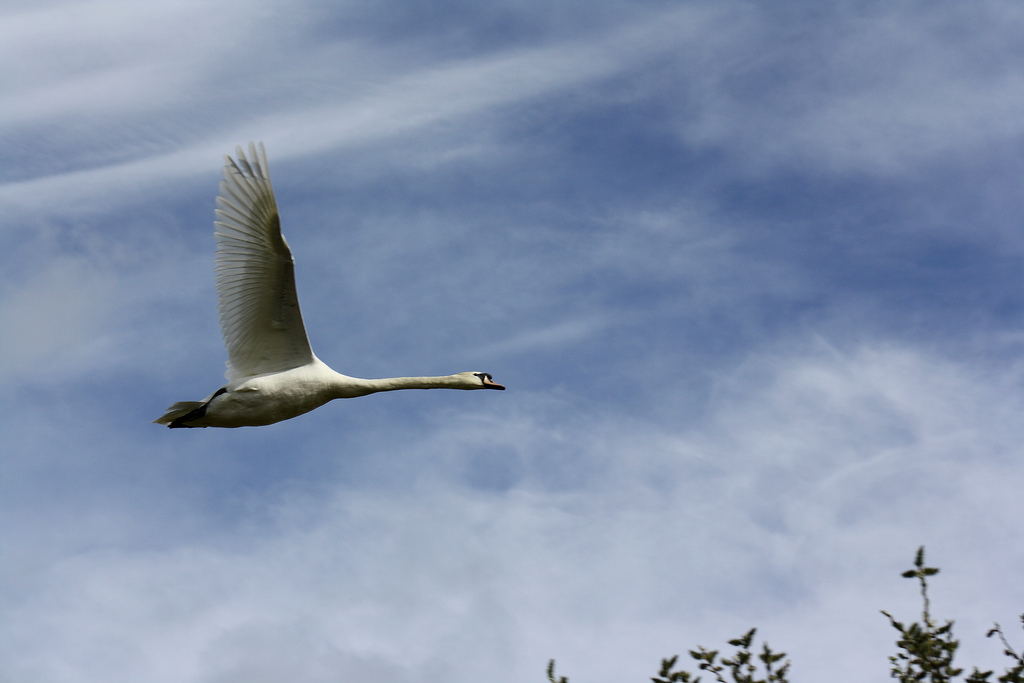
(199, 412)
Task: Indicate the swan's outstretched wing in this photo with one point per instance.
(256, 300)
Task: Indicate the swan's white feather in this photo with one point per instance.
(272, 372)
(256, 299)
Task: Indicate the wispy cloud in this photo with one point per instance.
(749, 272)
(789, 479)
(407, 99)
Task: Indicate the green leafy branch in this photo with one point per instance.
(926, 652)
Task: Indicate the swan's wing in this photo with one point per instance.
(256, 300)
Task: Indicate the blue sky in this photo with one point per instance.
(751, 273)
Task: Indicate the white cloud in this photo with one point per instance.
(59, 310)
(885, 94)
(109, 56)
(677, 458)
(409, 98)
(806, 492)
(877, 90)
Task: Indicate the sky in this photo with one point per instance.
(751, 274)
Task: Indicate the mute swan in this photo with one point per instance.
(272, 373)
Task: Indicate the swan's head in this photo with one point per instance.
(480, 380)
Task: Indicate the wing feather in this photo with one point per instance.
(256, 299)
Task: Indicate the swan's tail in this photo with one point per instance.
(179, 409)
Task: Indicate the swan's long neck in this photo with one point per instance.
(350, 387)
(393, 383)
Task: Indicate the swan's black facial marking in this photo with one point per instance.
(488, 382)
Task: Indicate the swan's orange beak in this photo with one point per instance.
(491, 384)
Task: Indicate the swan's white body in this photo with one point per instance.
(272, 373)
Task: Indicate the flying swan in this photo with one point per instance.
(272, 373)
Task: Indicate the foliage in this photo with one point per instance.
(1016, 674)
(927, 649)
(742, 665)
(926, 652)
